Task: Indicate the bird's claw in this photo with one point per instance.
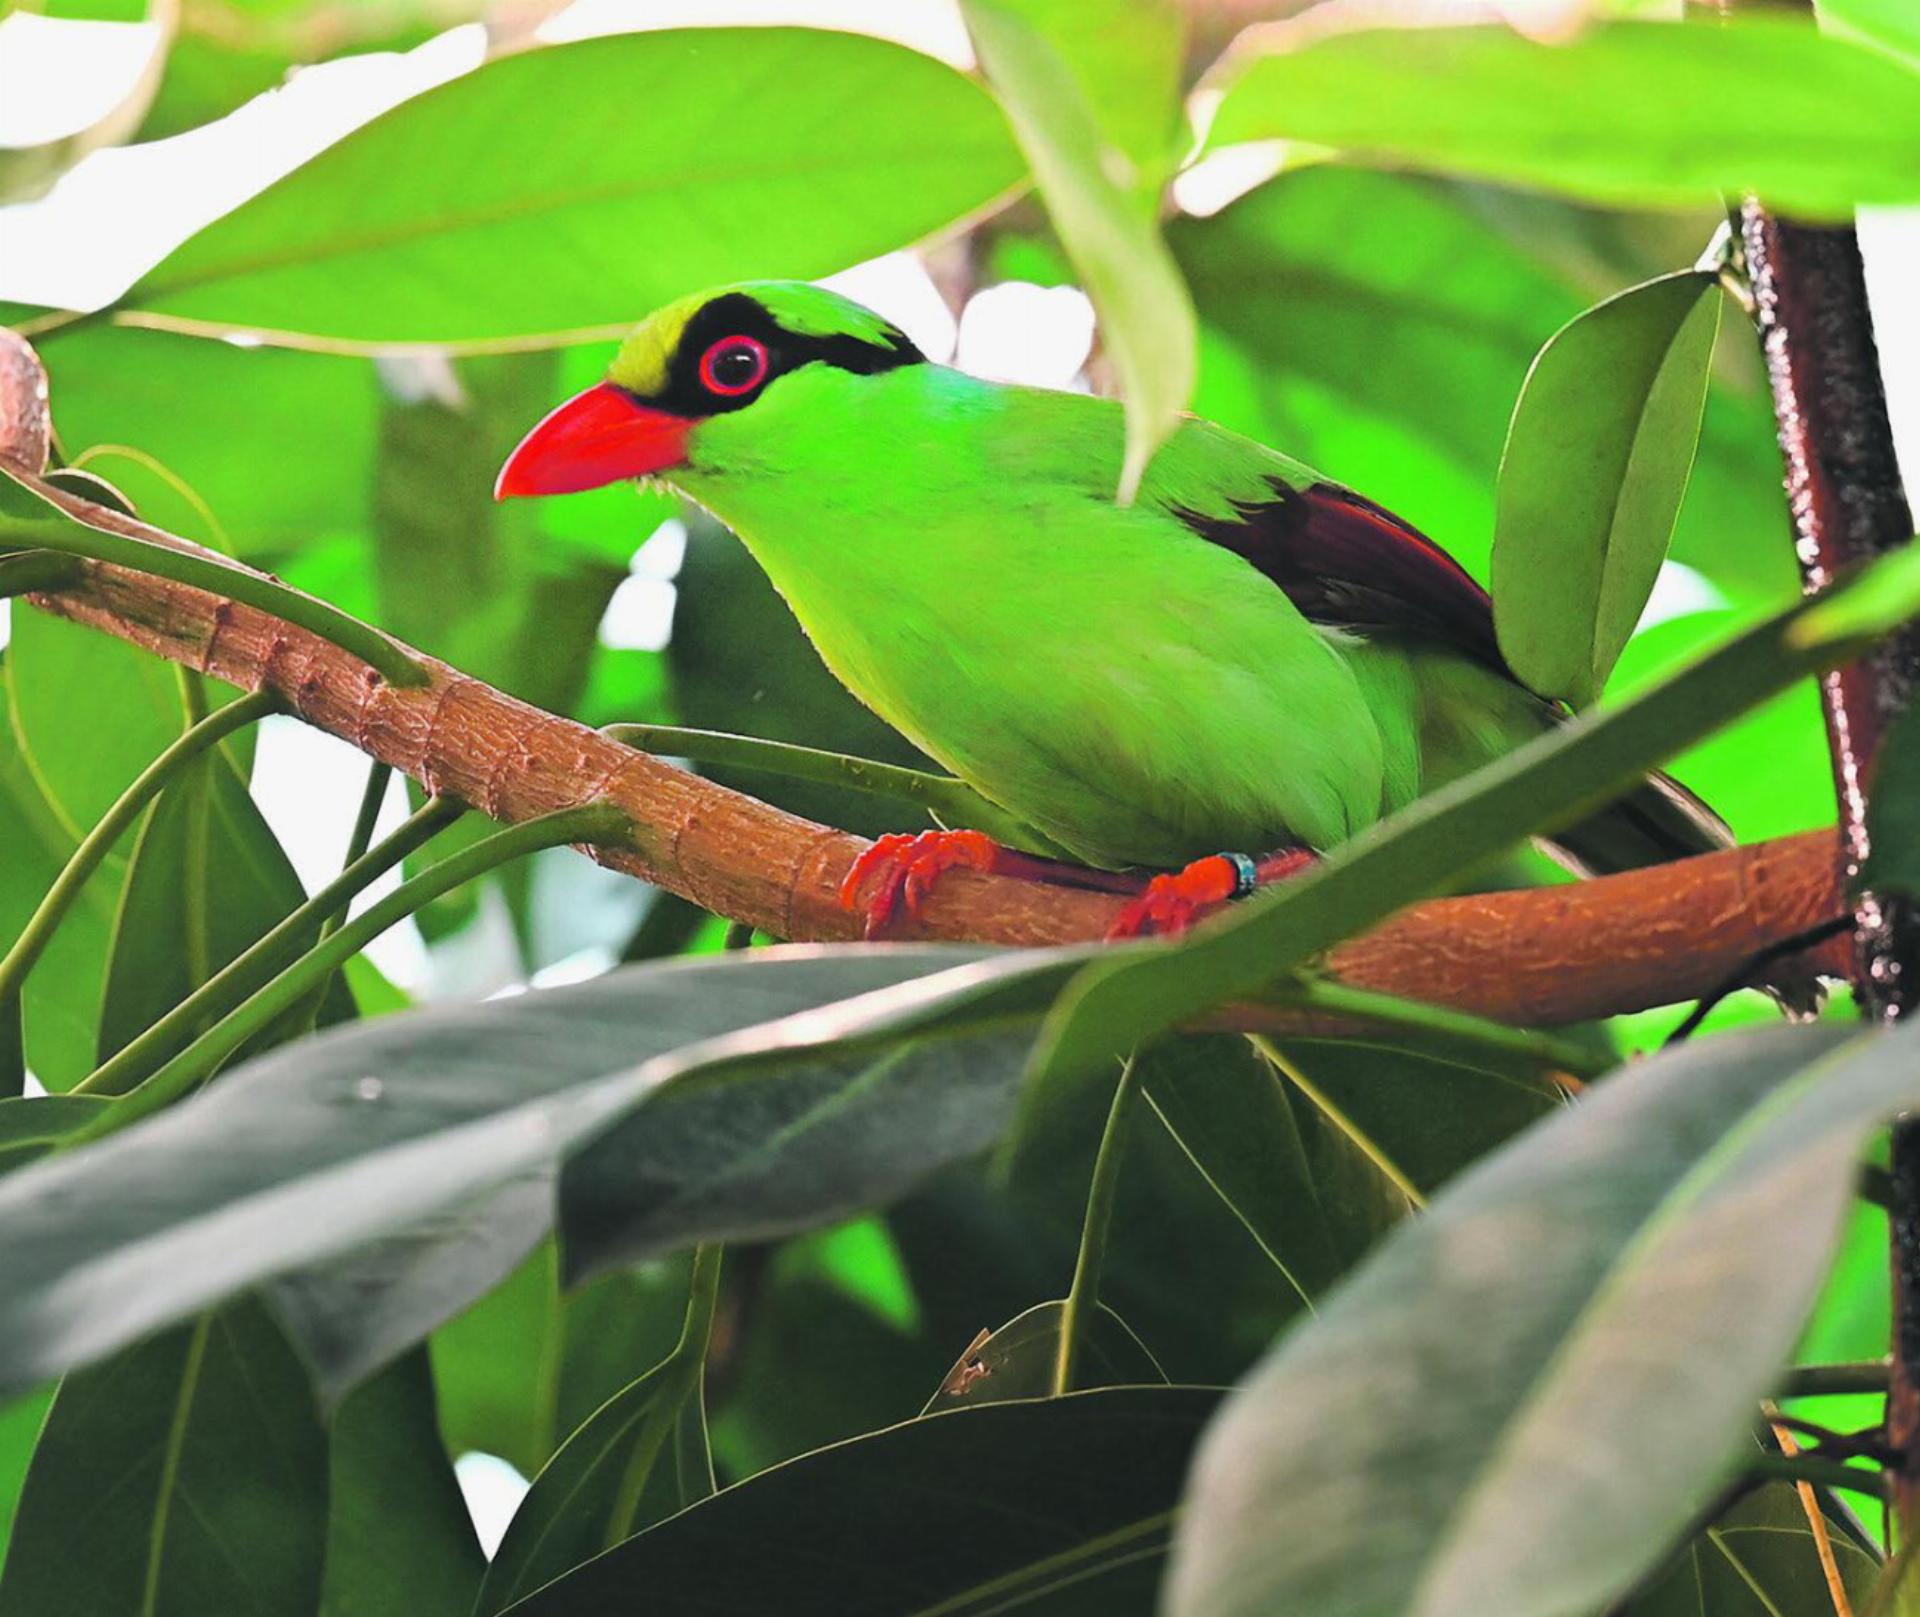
(1172, 903)
(908, 866)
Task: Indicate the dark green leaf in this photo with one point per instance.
(1643, 113)
(31, 1126)
(187, 1474)
(396, 234)
(1059, 1506)
(207, 880)
(1649, 1256)
(1016, 1361)
(641, 1458)
(316, 1149)
(1760, 1560)
(399, 1537)
(1108, 228)
(1596, 465)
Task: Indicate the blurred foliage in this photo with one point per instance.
(471, 1224)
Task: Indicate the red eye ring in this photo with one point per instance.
(735, 380)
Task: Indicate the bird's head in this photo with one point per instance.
(711, 355)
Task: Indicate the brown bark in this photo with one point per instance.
(1545, 956)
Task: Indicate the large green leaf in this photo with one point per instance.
(316, 1149)
(207, 880)
(1109, 229)
(1596, 466)
(399, 1537)
(657, 163)
(1648, 1257)
(1127, 996)
(244, 470)
(1058, 1506)
(186, 1474)
(640, 1458)
(1890, 23)
(1624, 112)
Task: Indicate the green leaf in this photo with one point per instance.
(221, 472)
(186, 1474)
(742, 164)
(1109, 231)
(31, 1126)
(298, 1158)
(1016, 1361)
(20, 1425)
(1625, 113)
(207, 880)
(641, 1458)
(399, 1537)
(1054, 1507)
(1649, 1257)
(1760, 1560)
(1596, 465)
(1128, 995)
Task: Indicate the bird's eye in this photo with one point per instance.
(732, 366)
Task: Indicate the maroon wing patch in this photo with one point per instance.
(1351, 564)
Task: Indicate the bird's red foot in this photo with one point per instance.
(908, 866)
(1172, 903)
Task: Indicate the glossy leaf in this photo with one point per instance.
(1627, 113)
(298, 1158)
(1017, 1360)
(1596, 465)
(206, 881)
(1109, 231)
(398, 1534)
(185, 1474)
(1660, 1245)
(396, 234)
(1128, 996)
(1891, 24)
(1060, 1506)
(641, 1458)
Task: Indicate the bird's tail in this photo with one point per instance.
(1657, 821)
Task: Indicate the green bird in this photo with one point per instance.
(1202, 689)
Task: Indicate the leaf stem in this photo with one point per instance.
(1814, 1380)
(587, 822)
(684, 1369)
(373, 797)
(98, 842)
(249, 970)
(67, 535)
(1084, 1293)
(1821, 1473)
(1469, 1034)
(944, 796)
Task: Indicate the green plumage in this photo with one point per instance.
(1136, 691)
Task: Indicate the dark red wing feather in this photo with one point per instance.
(1351, 564)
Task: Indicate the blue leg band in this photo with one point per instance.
(1246, 874)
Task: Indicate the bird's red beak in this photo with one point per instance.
(596, 437)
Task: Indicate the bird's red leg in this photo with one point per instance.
(908, 865)
(1172, 903)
